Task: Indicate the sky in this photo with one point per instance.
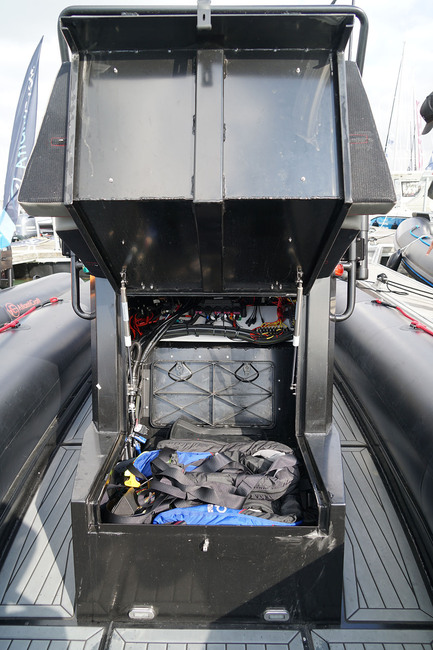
(395, 26)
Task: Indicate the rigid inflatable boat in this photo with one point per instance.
(211, 167)
(413, 238)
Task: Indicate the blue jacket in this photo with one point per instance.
(207, 515)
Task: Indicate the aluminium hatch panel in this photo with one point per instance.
(207, 162)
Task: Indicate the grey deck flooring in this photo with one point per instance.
(37, 580)
(92, 638)
(50, 638)
(131, 639)
(382, 583)
(81, 422)
(345, 423)
(372, 639)
(383, 587)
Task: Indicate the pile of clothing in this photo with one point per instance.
(206, 483)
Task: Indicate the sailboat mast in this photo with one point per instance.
(413, 165)
(418, 135)
(397, 85)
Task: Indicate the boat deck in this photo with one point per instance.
(386, 604)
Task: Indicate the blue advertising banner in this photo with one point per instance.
(23, 138)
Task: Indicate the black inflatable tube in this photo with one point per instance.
(17, 300)
(386, 365)
(43, 361)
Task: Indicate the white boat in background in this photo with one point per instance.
(413, 190)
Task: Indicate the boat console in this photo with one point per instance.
(210, 168)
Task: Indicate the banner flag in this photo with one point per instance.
(22, 141)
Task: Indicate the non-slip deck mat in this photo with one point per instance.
(91, 638)
(345, 423)
(131, 639)
(361, 639)
(382, 583)
(80, 424)
(332, 639)
(50, 638)
(37, 579)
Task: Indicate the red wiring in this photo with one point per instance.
(280, 309)
(415, 323)
(138, 323)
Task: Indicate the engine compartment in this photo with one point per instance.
(217, 377)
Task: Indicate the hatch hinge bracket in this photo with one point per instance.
(203, 14)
